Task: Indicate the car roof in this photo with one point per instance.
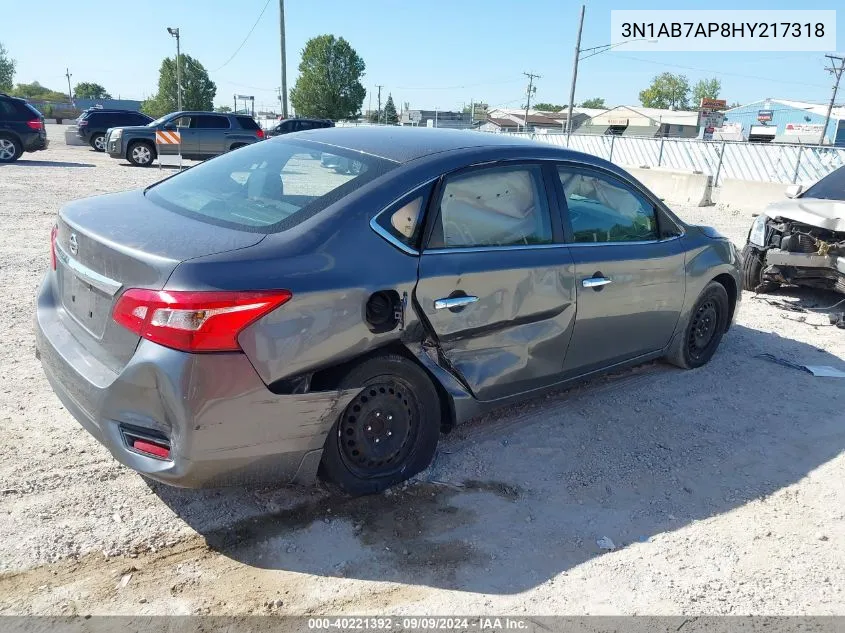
(403, 144)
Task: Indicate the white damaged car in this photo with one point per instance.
(799, 241)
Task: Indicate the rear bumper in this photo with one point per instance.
(36, 144)
(223, 425)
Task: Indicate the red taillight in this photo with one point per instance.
(82, 123)
(35, 124)
(53, 232)
(156, 450)
(204, 321)
(259, 133)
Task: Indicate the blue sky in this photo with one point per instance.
(438, 53)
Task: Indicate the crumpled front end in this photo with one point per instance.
(801, 254)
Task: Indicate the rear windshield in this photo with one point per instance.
(248, 123)
(267, 186)
(831, 187)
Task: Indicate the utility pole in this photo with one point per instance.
(836, 72)
(284, 95)
(69, 91)
(379, 86)
(471, 114)
(574, 76)
(531, 78)
(175, 33)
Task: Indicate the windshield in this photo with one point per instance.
(267, 186)
(158, 121)
(831, 187)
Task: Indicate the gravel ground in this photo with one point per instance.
(721, 489)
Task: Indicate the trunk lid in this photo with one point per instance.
(107, 244)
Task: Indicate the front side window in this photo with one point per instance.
(497, 206)
(604, 209)
(182, 121)
(265, 187)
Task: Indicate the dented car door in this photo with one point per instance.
(496, 285)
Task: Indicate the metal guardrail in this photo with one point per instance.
(762, 162)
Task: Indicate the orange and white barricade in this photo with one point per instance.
(167, 139)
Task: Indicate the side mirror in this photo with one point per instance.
(170, 126)
(793, 191)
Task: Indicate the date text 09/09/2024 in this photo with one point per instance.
(419, 623)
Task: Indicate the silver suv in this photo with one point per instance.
(200, 135)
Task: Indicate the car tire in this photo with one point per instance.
(10, 149)
(752, 270)
(237, 146)
(695, 345)
(397, 407)
(136, 155)
(98, 142)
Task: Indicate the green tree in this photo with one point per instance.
(706, 89)
(89, 90)
(36, 91)
(595, 102)
(7, 69)
(667, 91)
(390, 117)
(198, 90)
(548, 107)
(374, 116)
(329, 85)
(223, 108)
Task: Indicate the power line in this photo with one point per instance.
(238, 50)
(718, 72)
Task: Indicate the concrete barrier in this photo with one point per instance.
(678, 187)
(749, 195)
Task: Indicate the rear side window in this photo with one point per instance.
(6, 108)
(403, 221)
(247, 123)
(209, 122)
(498, 206)
(265, 187)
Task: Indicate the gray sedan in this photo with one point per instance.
(258, 317)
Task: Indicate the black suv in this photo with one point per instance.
(94, 122)
(21, 128)
(298, 125)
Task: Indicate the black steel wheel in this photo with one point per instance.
(388, 432)
(695, 345)
(702, 330)
(378, 429)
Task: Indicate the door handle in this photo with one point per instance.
(596, 282)
(449, 303)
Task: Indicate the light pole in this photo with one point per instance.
(595, 50)
(175, 33)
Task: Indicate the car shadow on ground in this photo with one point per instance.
(515, 499)
(49, 163)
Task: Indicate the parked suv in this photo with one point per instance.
(93, 124)
(298, 125)
(21, 128)
(201, 135)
